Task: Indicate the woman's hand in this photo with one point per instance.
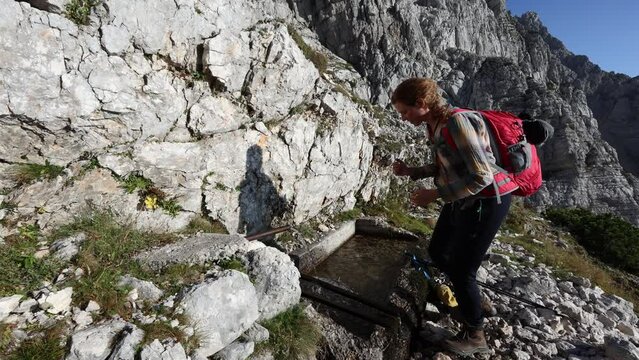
(400, 168)
(423, 197)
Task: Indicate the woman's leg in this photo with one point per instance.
(440, 246)
(476, 228)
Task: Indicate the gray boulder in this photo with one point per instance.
(276, 281)
(220, 309)
(95, 343)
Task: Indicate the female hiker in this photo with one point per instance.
(463, 175)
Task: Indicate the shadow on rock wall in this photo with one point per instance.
(259, 200)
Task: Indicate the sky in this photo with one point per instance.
(606, 31)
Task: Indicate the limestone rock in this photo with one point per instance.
(276, 281)
(221, 309)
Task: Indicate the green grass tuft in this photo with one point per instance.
(8, 205)
(49, 346)
(318, 59)
(29, 173)
(395, 209)
(106, 254)
(21, 270)
(292, 335)
(232, 263)
(202, 224)
(353, 214)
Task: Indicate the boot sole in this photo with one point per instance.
(481, 351)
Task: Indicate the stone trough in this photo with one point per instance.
(358, 276)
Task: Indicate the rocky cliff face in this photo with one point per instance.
(238, 112)
(215, 104)
(485, 58)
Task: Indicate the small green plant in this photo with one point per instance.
(318, 59)
(197, 75)
(175, 276)
(79, 11)
(30, 231)
(170, 206)
(232, 263)
(134, 183)
(100, 285)
(21, 270)
(306, 231)
(291, 335)
(286, 238)
(91, 163)
(29, 173)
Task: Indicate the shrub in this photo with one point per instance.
(291, 335)
(605, 236)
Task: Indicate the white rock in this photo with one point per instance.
(163, 351)
(146, 290)
(28, 305)
(276, 281)
(57, 302)
(115, 39)
(215, 114)
(65, 249)
(257, 333)
(126, 349)
(95, 343)
(238, 350)
(8, 304)
(221, 309)
(92, 306)
(82, 319)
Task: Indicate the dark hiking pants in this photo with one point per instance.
(459, 243)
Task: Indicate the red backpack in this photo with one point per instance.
(517, 160)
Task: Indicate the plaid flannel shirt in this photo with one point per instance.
(466, 171)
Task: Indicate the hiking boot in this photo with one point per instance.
(468, 342)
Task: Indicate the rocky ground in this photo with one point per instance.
(596, 325)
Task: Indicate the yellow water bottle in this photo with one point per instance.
(445, 295)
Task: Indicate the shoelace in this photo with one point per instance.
(463, 335)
